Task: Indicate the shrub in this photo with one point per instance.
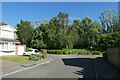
(36, 57)
(40, 56)
(64, 51)
(73, 51)
(97, 52)
(83, 52)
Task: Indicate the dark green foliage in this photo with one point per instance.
(37, 41)
(38, 44)
(88, 32)
(25, 32)
(57, 33)
(36, 57)
(109, 40)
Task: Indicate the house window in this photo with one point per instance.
(14, 46)
(0, 31)
(2, 45)
(10, 45)
(6, 46)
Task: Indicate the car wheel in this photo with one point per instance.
(23, 54)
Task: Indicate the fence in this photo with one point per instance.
(113, 56)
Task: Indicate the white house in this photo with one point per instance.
(8, 40)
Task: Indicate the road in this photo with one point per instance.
(71, 66)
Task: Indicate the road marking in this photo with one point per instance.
(25, 68)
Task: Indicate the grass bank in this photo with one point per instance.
(17, 59)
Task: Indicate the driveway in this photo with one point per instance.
(72, 66)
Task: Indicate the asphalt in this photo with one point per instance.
(72, 66)
(20, 67)
(105, 70)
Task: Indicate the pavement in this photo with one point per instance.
(16, 67)
(67, 66)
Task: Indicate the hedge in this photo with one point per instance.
(109, 40)
(73, 51)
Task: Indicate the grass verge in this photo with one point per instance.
(17, 59)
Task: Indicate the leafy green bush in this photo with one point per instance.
(36, 57)
(97, 52)
(109, 40)
(83, 52)
(28, 49)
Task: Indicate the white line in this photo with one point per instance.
(24, 69)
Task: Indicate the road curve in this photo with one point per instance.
(72, 66)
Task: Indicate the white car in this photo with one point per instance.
(31, 52)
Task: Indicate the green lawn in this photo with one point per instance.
(17, 59)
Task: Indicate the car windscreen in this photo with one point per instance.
(36, 51)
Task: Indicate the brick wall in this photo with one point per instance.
(113, 55)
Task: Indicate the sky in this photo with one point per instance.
(60, 0)
(0, 11)
(13, 12)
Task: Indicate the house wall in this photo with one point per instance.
(2, 53)
(20, 49)
(6, 31)
(7, 47)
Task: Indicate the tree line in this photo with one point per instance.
(59, 33)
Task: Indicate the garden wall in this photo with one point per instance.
(113, 56)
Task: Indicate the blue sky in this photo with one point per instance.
(13, 12)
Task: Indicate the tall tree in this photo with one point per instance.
(50, 38)
(88, 32)
(25, 32)
(109, 20)
(62, 20)
(37, 41)
(62, 29)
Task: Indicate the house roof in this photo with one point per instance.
(4, 25)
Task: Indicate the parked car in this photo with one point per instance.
(31, 52)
